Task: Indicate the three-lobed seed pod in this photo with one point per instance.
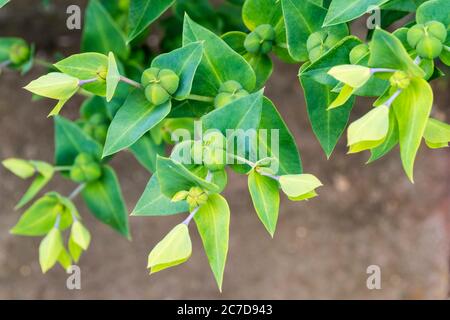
(427, 39)
(159, 84)
(85, 169)
(358, 53)
(320, 42)
(212, 150)
(97, 127)
(228, 92)
(400, 80)
(260, 40)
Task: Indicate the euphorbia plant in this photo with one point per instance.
(203, 93)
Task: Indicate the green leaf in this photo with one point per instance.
(146, 150)
(437, 133)
(353, 75)
(50, 249)
(389, 142)
(101, 33)
(184, 62)
(54, 85)
(112, 77)
(104, 198)
(154, 203)
(412, 109)
(45, 174)
(344, 95)
(346, 10)
(174, 177)
(84, 66)
(287, 154)
(80, 235)
(136, 117)
(328, 125)
(305, 196)
(64, 259)
(213, 224)
(143, 13)
(387, 51)
(266, 199)
(75, 250)
(21, 168)
(219, 63)
(296, 185)
(174, 249)
(369, 131)
(3, 3)
(243, 113)
(70, 141)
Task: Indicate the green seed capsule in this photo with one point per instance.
(358, 53)
(19, 53)
(261, 40)
(252, 43)
(196, 197)
(429, 47)
(214, 159)
(85, 169)
(266, 32)
(400, 80)
(100, 133)
(230, 86)
(415, 34)
(315, 40)
(149, 76)
(437, 30)
(169, 80)
(156, 94)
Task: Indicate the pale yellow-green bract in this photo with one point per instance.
(21, 168)
(368, 131)
(437, 134)
(112, 77)
(353, 75)
(296, 185)
(174, 249)
(54, 85)
(80, 235)
(50, 249)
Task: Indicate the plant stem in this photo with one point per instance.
(269, 175)
(63, 168)
(58, 219)
(131, 82)
(393, 97)
(375, 70)
(44, 63)
(417, 60)
(77, 191)
(200, 98)
(83, 82)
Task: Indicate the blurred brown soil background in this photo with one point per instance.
(365, 215)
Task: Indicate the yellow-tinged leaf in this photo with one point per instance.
(21, 168)
(296, 185)
(80, 235)
(353, 75)
(437, 134)
(50, 249)
(305, 196)
(370, 130)
(345, 94)
(112, 77)
(174, 249)
(54, 85)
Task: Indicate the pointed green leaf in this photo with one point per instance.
(387, 51)
(112, 77)
(296, 185)
(54, 85)
(50, 249)
(346, 10)
(412, 109)
(174, 177)
(104, 198)
(437, 133)
(266, 199)
(84, 66)
(101, 33)
(371, 128)
(75, 250)
(389, 142)
(154, 203)
(174, 249)
(213, 224)
(353, 75)
(3, 3)
(136, 117)
(305, 196)
(219, 63)
(344, 95)
(80, 235)
(143, 13)
(64, 259)
(21, 168)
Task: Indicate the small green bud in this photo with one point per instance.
(156, 94)
(19, 53)
(228, 92)
(149, 76)
(320, 42)
(214, 159)
(180, 195)
(85, 169)
(437, 30)
(400, 80)
(429, 47)
(261, 40)
(196, 197)
(358, 52)
(415, 34)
